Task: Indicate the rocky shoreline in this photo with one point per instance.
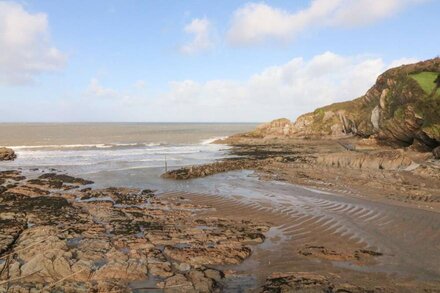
(58, 234)
(358, 166)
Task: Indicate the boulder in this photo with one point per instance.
(7, 154)
(178, 283)
(436, 153)
(200, 281)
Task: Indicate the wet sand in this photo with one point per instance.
(328, 233)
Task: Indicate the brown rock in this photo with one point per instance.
(436, 153)
(200, 281)
(178, 283)
(7, 154)
(214, 274)
(297, 282)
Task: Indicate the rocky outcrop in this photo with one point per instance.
(102, 240)
(7, 154)
(402, 109)
(211, 169)
(311, 282)
(276, 128)
(385, 160)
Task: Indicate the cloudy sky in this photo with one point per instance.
(204, 61)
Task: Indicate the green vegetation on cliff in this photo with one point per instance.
(426, 80)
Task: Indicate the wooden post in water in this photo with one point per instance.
(166, 165)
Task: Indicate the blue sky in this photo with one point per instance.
(202, 61)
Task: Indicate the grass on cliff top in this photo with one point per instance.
(426, 80)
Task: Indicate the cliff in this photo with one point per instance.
(402, 108)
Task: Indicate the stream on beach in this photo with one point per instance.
(407, 238)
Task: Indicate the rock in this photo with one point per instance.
(127, 270)
(200, 281)
(436, 153)
(211, 169)
(7, 154)
(65, 179)
(182, 267)
(48, 270)
(297, 282)
(383, 97)
(278, 127)
(100, 246)
(178, 283)
(212, 255)
(328, 115)
(383, 160)
(160, 269)
(375, 117)
(214, 274)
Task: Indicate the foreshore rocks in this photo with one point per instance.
(58, 235)
(7, 154)
(211, 169)
(307, 282)
(380, 160)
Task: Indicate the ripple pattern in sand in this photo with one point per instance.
(409, 238)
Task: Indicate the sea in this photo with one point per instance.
(116, 154)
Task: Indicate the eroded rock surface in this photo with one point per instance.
(211, 169)
(55, 236)
(308, 282)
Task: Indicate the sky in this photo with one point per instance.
(200, 61)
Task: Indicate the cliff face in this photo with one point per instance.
(402, 108)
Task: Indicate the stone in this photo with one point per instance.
(297, 282)
(102, 246)
(178, 283)
(161, 269)
(128, 270)
(436, 153)
(7, 154)
(383, 96)
(182, 267)
(200, 281)
(214, 274)
(375, 117)
(211, 169)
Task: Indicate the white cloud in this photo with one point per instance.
(95, 89)
(286, 90)
(257, 22)
(403, 61)
(25, 47)
(140, 84)
(200, 29)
